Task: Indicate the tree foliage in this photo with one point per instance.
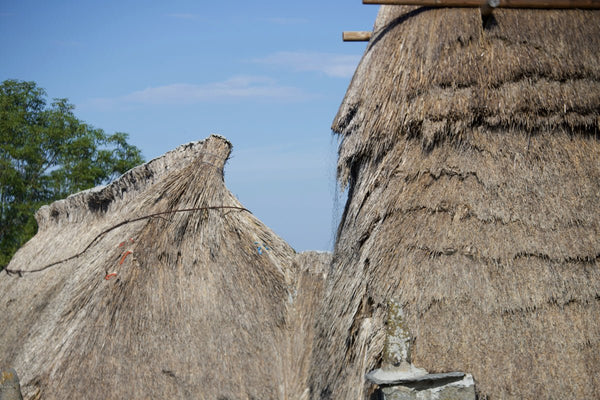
(46, 153)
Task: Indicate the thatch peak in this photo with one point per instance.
(160, 285)
(99, 199)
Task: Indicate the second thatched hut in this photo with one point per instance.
(471, 152)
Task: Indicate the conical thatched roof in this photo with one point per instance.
(471, 149)
(205, 303)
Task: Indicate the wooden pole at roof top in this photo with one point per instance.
(589, 4)
(356, 36)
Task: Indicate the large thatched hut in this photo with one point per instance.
(169, 289)
(471, 152)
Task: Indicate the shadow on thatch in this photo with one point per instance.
(471, 157)
(393, 24)
(193, 297)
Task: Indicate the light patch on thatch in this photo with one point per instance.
(471, 153)
(204, 304)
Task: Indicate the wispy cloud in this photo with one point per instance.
(330, 64)
(282, 161)
(188, 16)
(286, 20)
(235, 88)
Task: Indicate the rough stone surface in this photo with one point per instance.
(432, 387)
(390, 376)
(10, 389)
(398, 338)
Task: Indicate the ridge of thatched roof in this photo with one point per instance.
(471, 155)
(125, 188)
(196, 304)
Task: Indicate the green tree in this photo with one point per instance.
(46, 153)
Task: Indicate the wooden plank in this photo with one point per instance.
(357, 36)
(587, 4)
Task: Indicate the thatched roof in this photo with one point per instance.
(204, 303)
(471, 149)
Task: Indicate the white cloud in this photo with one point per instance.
(238, 87)
(280, 162)
(331, 64)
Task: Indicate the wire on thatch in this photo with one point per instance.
(20, 272)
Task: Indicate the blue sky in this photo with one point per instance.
(268, 75)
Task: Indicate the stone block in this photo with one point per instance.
(400, 385)
(10, 389)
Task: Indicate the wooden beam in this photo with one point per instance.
(588, 4)
(357, 36)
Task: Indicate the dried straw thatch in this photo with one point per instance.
(207, 303)
(471, 150)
